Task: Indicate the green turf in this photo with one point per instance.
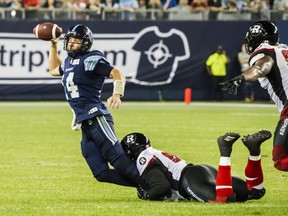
(43, 173)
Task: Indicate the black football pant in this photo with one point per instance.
(198, 182)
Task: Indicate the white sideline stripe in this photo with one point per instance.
(146, 104)
(30, 82)
(33, 104)
(205, 104)
(256, 114)
(234, 105)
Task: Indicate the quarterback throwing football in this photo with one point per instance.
(83, 73)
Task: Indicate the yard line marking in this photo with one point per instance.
(146, 104)
(256, 114)
(206, 104)
(34, 104)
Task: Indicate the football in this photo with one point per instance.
(47, 31)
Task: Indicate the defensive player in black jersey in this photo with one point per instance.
(171, 178)
(83, 73)
(269, 65)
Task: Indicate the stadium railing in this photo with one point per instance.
(141, 14)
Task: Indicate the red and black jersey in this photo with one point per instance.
(161, 170)
(276, 82)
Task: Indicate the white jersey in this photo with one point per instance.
(174, 164)
(276, 82)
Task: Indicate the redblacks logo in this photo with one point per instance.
(285, 54)
(142, 161)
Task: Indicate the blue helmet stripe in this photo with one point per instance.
(75, 27)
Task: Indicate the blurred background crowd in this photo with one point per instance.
(144, 9)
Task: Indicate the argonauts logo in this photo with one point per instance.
(161, 53)
(158, 54)
(148, 57)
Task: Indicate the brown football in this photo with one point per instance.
(47, 31)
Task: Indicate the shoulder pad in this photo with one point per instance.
(256, 58)
(91, 61)
(262, 50)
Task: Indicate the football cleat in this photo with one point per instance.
(225, 143)
(256, 193)
(254, 141)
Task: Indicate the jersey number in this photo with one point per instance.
(172, 157)
(71, 87)
(285, 54)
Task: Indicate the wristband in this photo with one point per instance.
(119, 87)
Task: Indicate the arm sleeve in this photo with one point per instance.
(159, 186)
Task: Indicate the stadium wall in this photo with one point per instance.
(159, 58)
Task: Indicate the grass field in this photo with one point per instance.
(43, 173)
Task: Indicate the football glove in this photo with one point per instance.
(142, 193)
(74, 125)
(232, 85)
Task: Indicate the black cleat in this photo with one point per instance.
(256, 193)
(225, 143)
(254, 141)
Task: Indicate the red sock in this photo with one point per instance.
(224, 181)
(253, 173)
(280, 158)
(281, 164)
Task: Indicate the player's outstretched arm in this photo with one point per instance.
(159, 186)
(261, 68)
(54, 59)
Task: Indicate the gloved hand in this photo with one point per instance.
(142, 193)
(232, 85)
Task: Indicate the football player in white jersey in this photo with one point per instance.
(171, 178)
(269, 65)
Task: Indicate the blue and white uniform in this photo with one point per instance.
(83, 79)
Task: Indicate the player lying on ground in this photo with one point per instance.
(171, 178)
(268, 64)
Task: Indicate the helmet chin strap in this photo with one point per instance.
(72, 54)
(269, 42)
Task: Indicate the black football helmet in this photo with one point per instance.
(82, 32)
(134, 143)
(259, 32)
